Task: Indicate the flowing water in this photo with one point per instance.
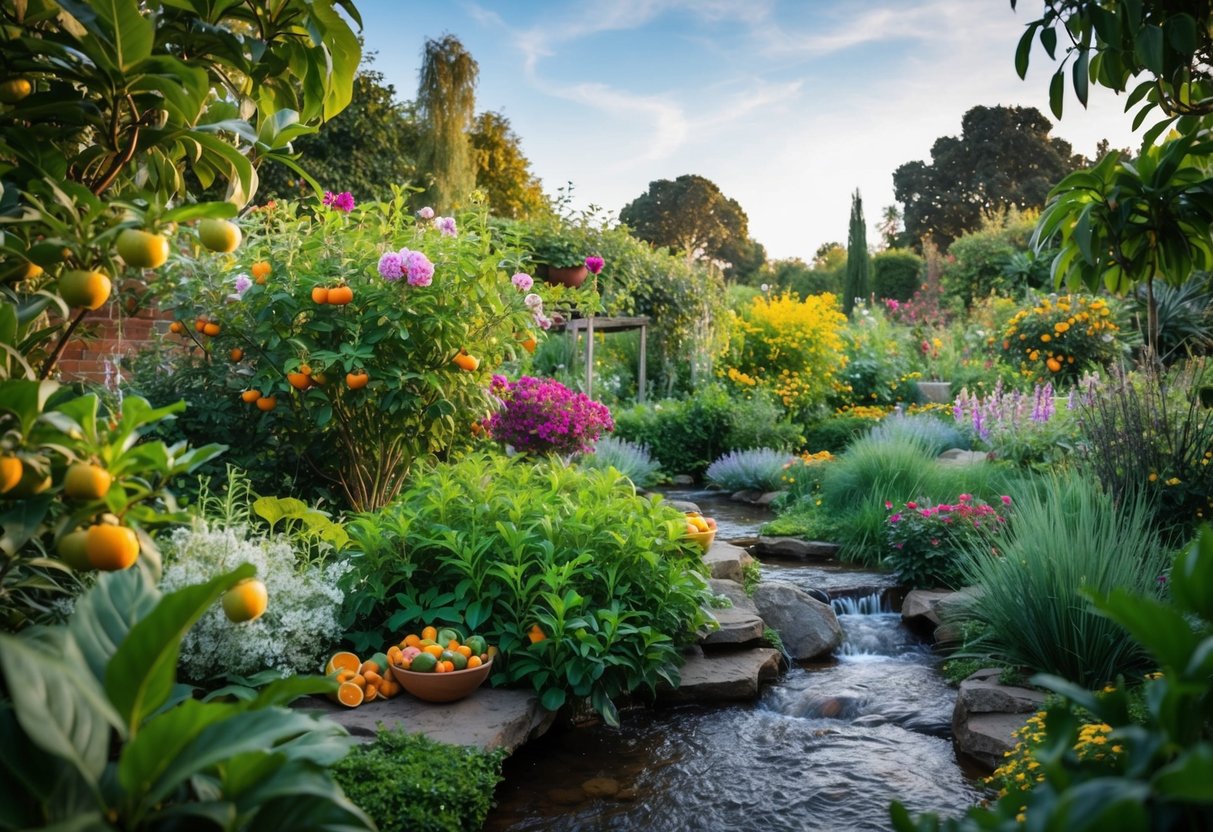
(826, 747)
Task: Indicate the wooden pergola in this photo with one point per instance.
(594, 324)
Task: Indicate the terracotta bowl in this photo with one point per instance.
(704, 539)
(442, 687)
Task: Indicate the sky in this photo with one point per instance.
(789, 107)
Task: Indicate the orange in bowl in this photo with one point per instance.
(704, 539)
(442, 687)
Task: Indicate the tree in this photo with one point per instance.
(856, 285)
(829, 255)
(368, 147)
(446, 103)
(502, 171)
(1003, 158)
(746, 259)
(890, 226)
(689, 215)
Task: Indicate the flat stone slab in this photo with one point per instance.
(683, 505)
(735, 592)
(794, 547)
(986, 738)
(725, 677)
(981, 693)
(956, 456)
(490, 718)
(738, 626)
(727, 561)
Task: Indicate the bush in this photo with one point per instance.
(628, 458)
(761, 422)
(542, 416)
(498, 546)
(1068, 538)
(979, 260)
(409, 783)
(926, 541)
(879, 366)
(924, 429)
(755, 470)
(835, 433)
(1061, 338)
(896, 274)
(1031, 430)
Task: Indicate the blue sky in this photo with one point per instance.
(787, 106)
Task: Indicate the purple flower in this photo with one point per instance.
(343, 201)
(594, 264)
(523, 281)
(446, 225)
(242, 284)
(391, 266)
(420, 269)
(542, 321)
(544, 416)
(426, 213)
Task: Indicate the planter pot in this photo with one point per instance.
(935, 391)
(572, 276)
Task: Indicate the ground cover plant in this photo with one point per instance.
(761, 469)
(628, 458)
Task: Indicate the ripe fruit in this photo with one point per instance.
(246, 601)
(86, 482)
(267, 403)
(219, 235)
(260, 270)
(72, 550)
(250, 396)
(342, 660)
(85, 289)
(211, 329)
(142, 249)
(320, 294)
(176, 327)
(536, 634)
(530, 343)
(10, 473)
(349, 694)
(1054, 365)
(465, 362)
(236, 354)
(27, 270)
(111, 548)
(424, 663)
(13, 90)
(340, 295)
(30, 483)
(474, 661)
(429, 633)
(299, 381)
(200, 325)
(358, 380)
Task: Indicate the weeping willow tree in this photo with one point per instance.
(856, 285)
(446, 101)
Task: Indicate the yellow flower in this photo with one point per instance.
(1060, 327)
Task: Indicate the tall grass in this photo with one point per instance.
(1066, 535)
(628, 458)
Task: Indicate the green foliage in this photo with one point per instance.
(760, 421)
(502, 171)
(628, 458)
(758, 469)
(1067, 537)
(926, 541)
(96, 734)
(981, 260)
(499, 545)
(896, 273)
(690, 216)
(879, 368)
(1159, 776)
(796, 276)
(410, 783)
(834, 433)
(855, 286)
(1185, 316)
(446, 102)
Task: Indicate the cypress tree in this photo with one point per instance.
(856, 285)
(446, 103)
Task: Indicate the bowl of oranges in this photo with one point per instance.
(441, 665)
(701, 529)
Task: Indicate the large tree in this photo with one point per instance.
(502, 171)
(1004, 157)
(855, 288)
(446, 104)
(689, 215)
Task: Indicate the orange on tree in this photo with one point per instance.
(142, 249)
(357, 380)
(529, 343)
(267, 403)
(200, 325)
(31, 482)
(110, 547)
(85, 481)
(299, 381)
(13, 90)
(72, 550)
(10, 472)
(320, 294)
(235, 354)
(219, 235)
(465, 362)
(210, 328)
(89, 290)
(246, 601)
(340, 295)
(1054, 365)
(176, 327)
(261, 270)
(250, 396)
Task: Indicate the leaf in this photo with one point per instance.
(1057, 89)
(1081, 77)
(1181, 34)
(1189, 778)
(1048, 39)
(1149, 48)
(553, 699)
(1192, 576)
(140, 676)
(1160, 628)
(1023, 51)
(214, 210)
(22, 521)
(105, 614)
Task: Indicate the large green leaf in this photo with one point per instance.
(141, 674)
(106, 613)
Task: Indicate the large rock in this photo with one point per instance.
(683, 505)
(957, 456)
(987, 714)
(724, 677)
(682, 479)
(737, 626)
(921, 607)
(490, 718)
(727, 561)
(807, 627)
(735, 592)
(747, 495)
(794, 547)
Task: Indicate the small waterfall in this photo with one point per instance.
(873, 604)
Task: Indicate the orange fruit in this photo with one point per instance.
(305, 369)
(299, 381)
(111, 548)
(349, 694)
(429, 633)
(219, 235)
(343, 660)
(340, 295)
(463, 649)
(371, 693)
(474, 661)
(1053, 364)
(142, 249)
(373, 678)
(412, 640)
(320, 294)
(236, 354)
(359, 680)
(267, 403)
(200, 325)
(176, 327)
(358, 380)
(89, 290)
(246, 601)
(465, 362)
(31, 482)
(530, 343)
(86, 482)
(72, 550)
(211, 329)
(10, 472)
(433, 649)
(260, 271)
(536, 634)
(13, 90)
(250, 396)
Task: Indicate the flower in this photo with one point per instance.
(533, 301)
(343, 201)
(594, 264)
(542, 321)
(242, 284)
(523, 281)
(420, 269)
(1006, 501)
(391, 265)
(446, 225)
(544, 416)
(426, 213)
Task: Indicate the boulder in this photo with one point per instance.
(794, 547)
(683, 505)
(724, 677)
(982, 693)
(769, 497)
(956, 456)
(987, 714)
(921, 607)
(735, 592)
(807, 627)
(737, 626)
(746, 495)
(682, 479)
(727, 561)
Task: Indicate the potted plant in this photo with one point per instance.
(562, 252)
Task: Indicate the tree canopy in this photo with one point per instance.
(690, 215)
(855, 287)
(446, 103)
(1003, 158)
(502, 171)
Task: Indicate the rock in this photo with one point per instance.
(807, 627)
(744, 542)
(735, 592)
(794, 547)
(724, 677)
(683, 505)
(769, 497)
(727, 561)
(626, 794)
(987, 714)
(489, 718)
(956, 456)
(737, 627)
(986, 738)
(982, 693)
(566, 797)
(682, 479)
(746, 495)
(921, 606)
(600, 787)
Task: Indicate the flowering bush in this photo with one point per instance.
(801, 477)
(758, 470)
(1028, 429)
(878, 367)
(1061, 337)
(925, 540)
(299, 627)
(541, 415)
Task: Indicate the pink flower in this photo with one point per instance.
(594, 264)
(242, 285)
(911, 504)
(391, 266)
(542, 320)
(420, 269)
(343, 201)
(446, 225)
(533, 301)
(1006, 501)
(426, 213)
(523, 281)
(887, 504)
(895, 518)
(965, 498)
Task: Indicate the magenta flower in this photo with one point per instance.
(242, 285)
(419, 268)
(446, 225)
(594, 264)
(1006, 501)
(523, 281)
(343, 201)
(426, 213)
(544, 416)
(391, 266)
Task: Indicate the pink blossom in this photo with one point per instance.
(420, 269)
(446, 225)
(887, 504)
(343, 201)
(242, 285)
(542, 321)
(523, 281)
(533, 301)
(391, 266)
(426, 213)
(1006, 501)
(594, 264)
(965, 498)
(911, 504)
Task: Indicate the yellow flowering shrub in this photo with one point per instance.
(1061, 337)
(791, 347)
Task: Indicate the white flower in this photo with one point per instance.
(533, 301)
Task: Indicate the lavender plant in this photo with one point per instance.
(757, 470)
(1028, 429)
(931, 432)
(628, 458)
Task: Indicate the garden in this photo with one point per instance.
(338, 473)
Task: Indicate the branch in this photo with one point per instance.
(53, 358)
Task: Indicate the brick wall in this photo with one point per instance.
(111, 335)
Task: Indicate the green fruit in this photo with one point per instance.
(423, 663)
(478, 644)
(13, 90)
(85, 289)
(446, 635)
(219, 235)
(72, 552)
(381, 660)
(456, 658)
(142, 249)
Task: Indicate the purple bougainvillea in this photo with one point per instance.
(543, 416)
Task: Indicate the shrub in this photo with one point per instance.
(1060, 338)
(924, 429)
(761, 422)
(409, 783)
(628, 458)
(835, 433)
(896, 274)
(686, 435)
(500, 545)
(543, 416)
(979, 260)
(878, 370)
(926, 541)
(1185, 316)
(1068, 538)
(754, 470)
(1030, 430)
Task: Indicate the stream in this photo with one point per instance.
(826, 747)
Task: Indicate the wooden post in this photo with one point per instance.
(641, 380)
(589, 356)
